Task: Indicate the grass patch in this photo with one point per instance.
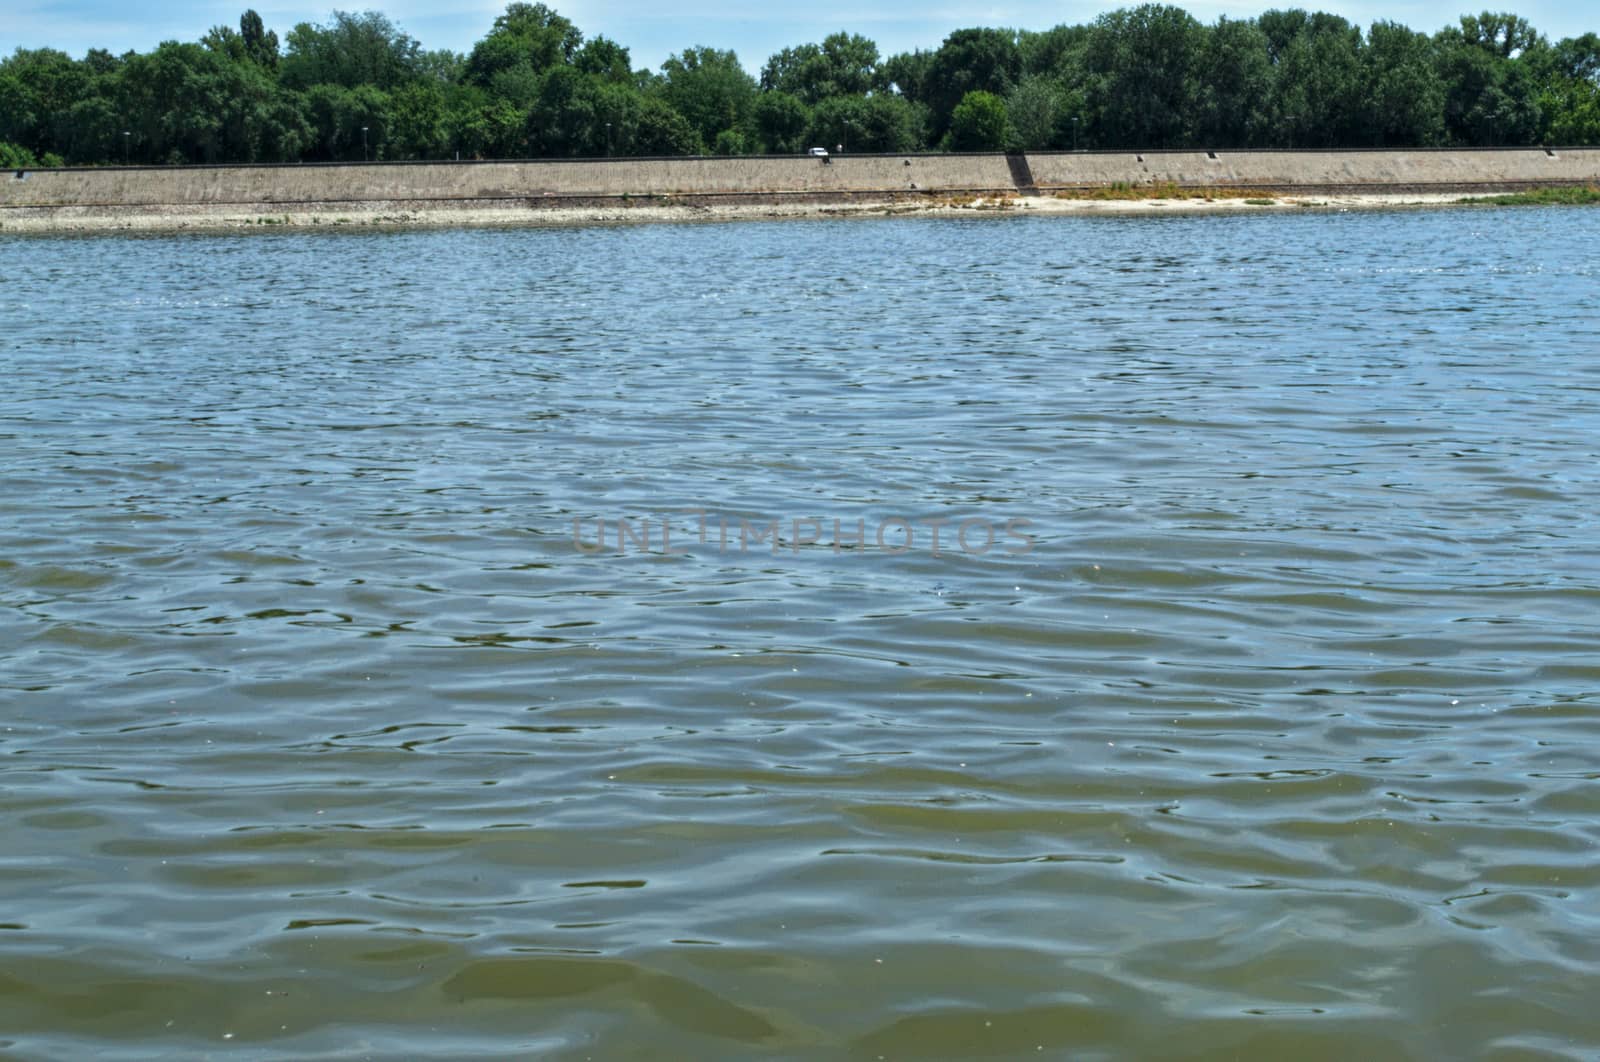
(1260, 202)
(998, 202)
(967, 201)
(1580, 195)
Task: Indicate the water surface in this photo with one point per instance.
(323, 737)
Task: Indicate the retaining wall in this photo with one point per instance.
(530, 182)
(396, 182)
(1321, 170)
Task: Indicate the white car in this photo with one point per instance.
(819, 153)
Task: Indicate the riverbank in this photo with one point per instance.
(590, 191)
(401, 214)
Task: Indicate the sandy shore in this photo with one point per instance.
(268, 217)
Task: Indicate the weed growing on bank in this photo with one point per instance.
(1123, 190)
(1572, 195)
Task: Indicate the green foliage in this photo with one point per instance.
(978, 123)
(339, 116)
(1573, 110)
(710, 89)
(1056, 53)
(1317, 85)
(1403, 92)
(531, 37)
(730, 142)
(252, 42)
(1143, 66)
(1577, 58)
(1500, 34)
(604, 58)
(351, 50)
(1034, 110)
(1238, 80)
(970, 60)
(844, 64)
(13, 157)
(1145, 76)
(1489, 99)
(781, 123)
(908, 72)
(418, 126)
(660, 130)
(1566, 196)
(880, 123)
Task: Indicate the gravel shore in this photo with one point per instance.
(266, 217)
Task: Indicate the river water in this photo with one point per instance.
(1248, 707)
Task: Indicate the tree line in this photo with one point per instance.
(357, 86)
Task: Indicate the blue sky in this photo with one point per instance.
(653, 30)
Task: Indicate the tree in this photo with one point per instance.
(710, 89)
(418, 126)
(1033, 111)
(969, 60)
(567, 118)
(1142, 65)
(881, 123)
(844, 64)
(253, 43)
(173, 99)
(606, 59)
(907, 74)
(260, 43)
(1570, 100)
(19, 119)
(1317, 88)
(663, 131)
(1146, 75)
(781, 122)
(1489, 99)
(351, 50)
(531, 36)
(978, 123)
(1056, 53)
(1573, 113)
(1504, 35)
(891, 123)
(1232, 95)
(39, 87)
(1578, 57)
(337, 117)
(1404, 95)
(481, 126)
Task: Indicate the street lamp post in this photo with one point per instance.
(1074, 132)
(364, 144)
(125, 147)
(608, 140)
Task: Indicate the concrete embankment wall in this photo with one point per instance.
(530, 183)
(1326, 171)
(488, 181)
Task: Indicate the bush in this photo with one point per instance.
(979, 123)
(13, 157)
